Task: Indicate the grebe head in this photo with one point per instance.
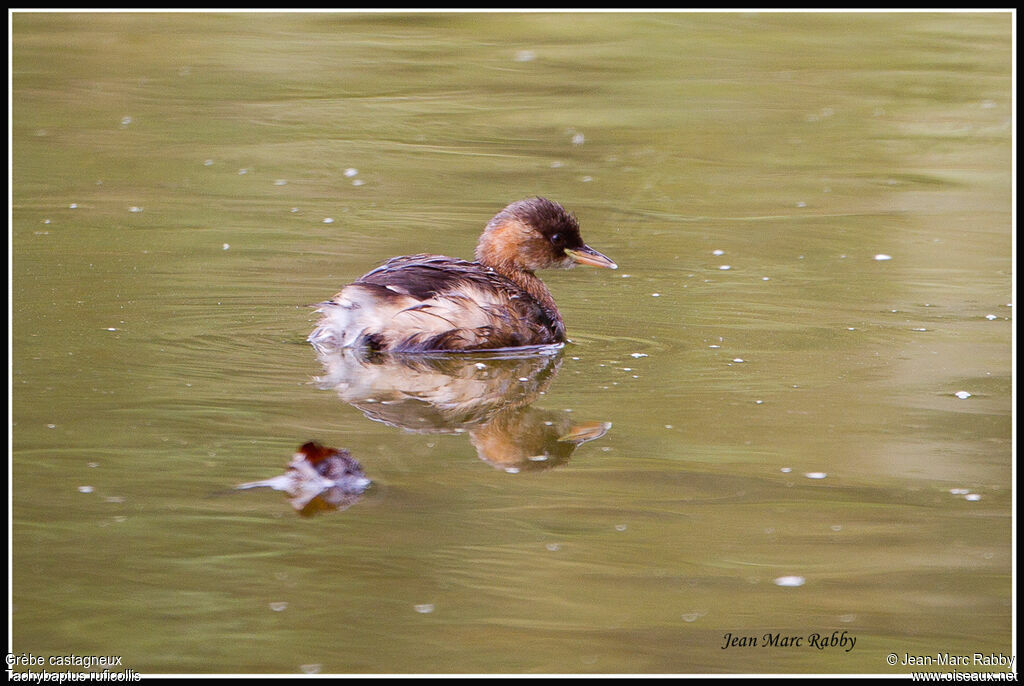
(536, 234)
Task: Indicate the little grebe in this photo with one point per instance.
(432, 303)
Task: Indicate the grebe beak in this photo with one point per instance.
(587, 255)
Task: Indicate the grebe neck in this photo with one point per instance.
(506, 247)
(531, 283)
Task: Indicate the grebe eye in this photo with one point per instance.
(556, 239)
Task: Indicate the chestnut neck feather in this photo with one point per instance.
(532, 284)
(505, 247)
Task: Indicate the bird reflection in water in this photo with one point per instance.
(487, 396)
(318, 479)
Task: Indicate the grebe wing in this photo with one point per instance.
(420, 303)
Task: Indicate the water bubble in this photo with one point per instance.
(963, 395)
(815, 475)
(85, 489)
(328, 220)
(424, 608)
(790, 581)
(350, 172)
(881, 257)
(525, 56)
(578, 139)
(278, 606)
